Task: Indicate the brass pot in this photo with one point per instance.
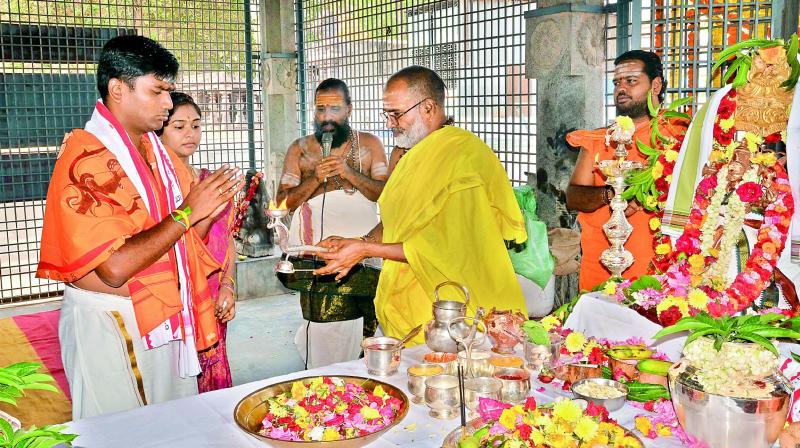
(252, 409)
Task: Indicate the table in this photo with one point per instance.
(206, 420)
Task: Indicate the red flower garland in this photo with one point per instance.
(755, 276)
(242, 207)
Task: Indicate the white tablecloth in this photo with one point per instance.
(207, 420)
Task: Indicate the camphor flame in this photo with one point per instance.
(281, 206)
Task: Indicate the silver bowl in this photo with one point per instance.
(481, 387)
(441, 395)
(417, 375)
(729, 422)
(516, 384)
(381, 355)
(611, 404)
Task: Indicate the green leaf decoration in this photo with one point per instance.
(650, 106)
(795, 356)
(645, 282)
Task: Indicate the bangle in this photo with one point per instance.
(225, 285)
(183, 215)
(228, 280)
(176, 219)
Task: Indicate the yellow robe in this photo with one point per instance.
(450, 203)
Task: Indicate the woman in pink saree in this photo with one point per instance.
(182, 133)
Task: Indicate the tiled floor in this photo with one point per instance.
(260, 338)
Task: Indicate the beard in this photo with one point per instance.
(341, 132)
(407, 138)
(633, 109)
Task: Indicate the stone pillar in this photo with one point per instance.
(565, 52)
(278, 83)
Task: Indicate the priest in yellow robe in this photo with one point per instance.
(446, 212)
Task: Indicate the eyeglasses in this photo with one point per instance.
(396, 116)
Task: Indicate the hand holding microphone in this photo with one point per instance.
(327, 141)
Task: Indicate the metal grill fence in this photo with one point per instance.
(48, 51)
(476, 46)
(688, 35)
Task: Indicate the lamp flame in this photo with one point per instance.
(281, 206)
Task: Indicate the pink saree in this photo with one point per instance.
(216, 371)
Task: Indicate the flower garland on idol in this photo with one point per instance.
(241, 208)
(739, 176)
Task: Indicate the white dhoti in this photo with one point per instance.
(346, 215)
(106, 363)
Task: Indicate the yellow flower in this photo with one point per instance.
(658, 170)
(764, 158)
(655, 223)
(630, 442)
(567, 410)
(644, 425)
(370, 413)
(727, 123)
(697, 261)
(671, 155)
(698, 299)
(650, 202)
(663, 430)
(548, 322)
(610, 288)
(575, 341)
(277, 410)
(663, 249)
(716, 155)
(379, 392)
(586, 428)
(537, 437)
(753, 142)
(671, 301)
(730, 149)
(589, 346)
(330, 434)
(668, 178)
(508, 418)
(599, 440)
(300, 412)
(625, 123)
(298, 390)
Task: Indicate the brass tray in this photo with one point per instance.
(452, 439)
(250, 412)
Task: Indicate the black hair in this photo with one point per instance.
(334, 84)
(653, 66)
(129, 57)
(179, 99)
(422, 80)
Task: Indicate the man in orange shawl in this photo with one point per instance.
(637, 73)
(445, 213)
(122, 232)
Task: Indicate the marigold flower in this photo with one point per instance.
(610, 288)
(625, 123)
(575, 341)
(655, 223)
(671, 155)
(658, 170)
(550, 322)
(663, 249)
(567, 410)
(727, 123)
(586, 428)
(644, 425)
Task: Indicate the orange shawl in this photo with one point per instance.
(93, 207)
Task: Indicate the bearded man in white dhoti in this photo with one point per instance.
(332, 191)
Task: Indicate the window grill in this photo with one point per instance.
(687, 34)
(476, 46)
(48, 51)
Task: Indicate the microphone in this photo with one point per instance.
(327, 140)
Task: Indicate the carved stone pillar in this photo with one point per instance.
(565, 52)
(278, 83)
